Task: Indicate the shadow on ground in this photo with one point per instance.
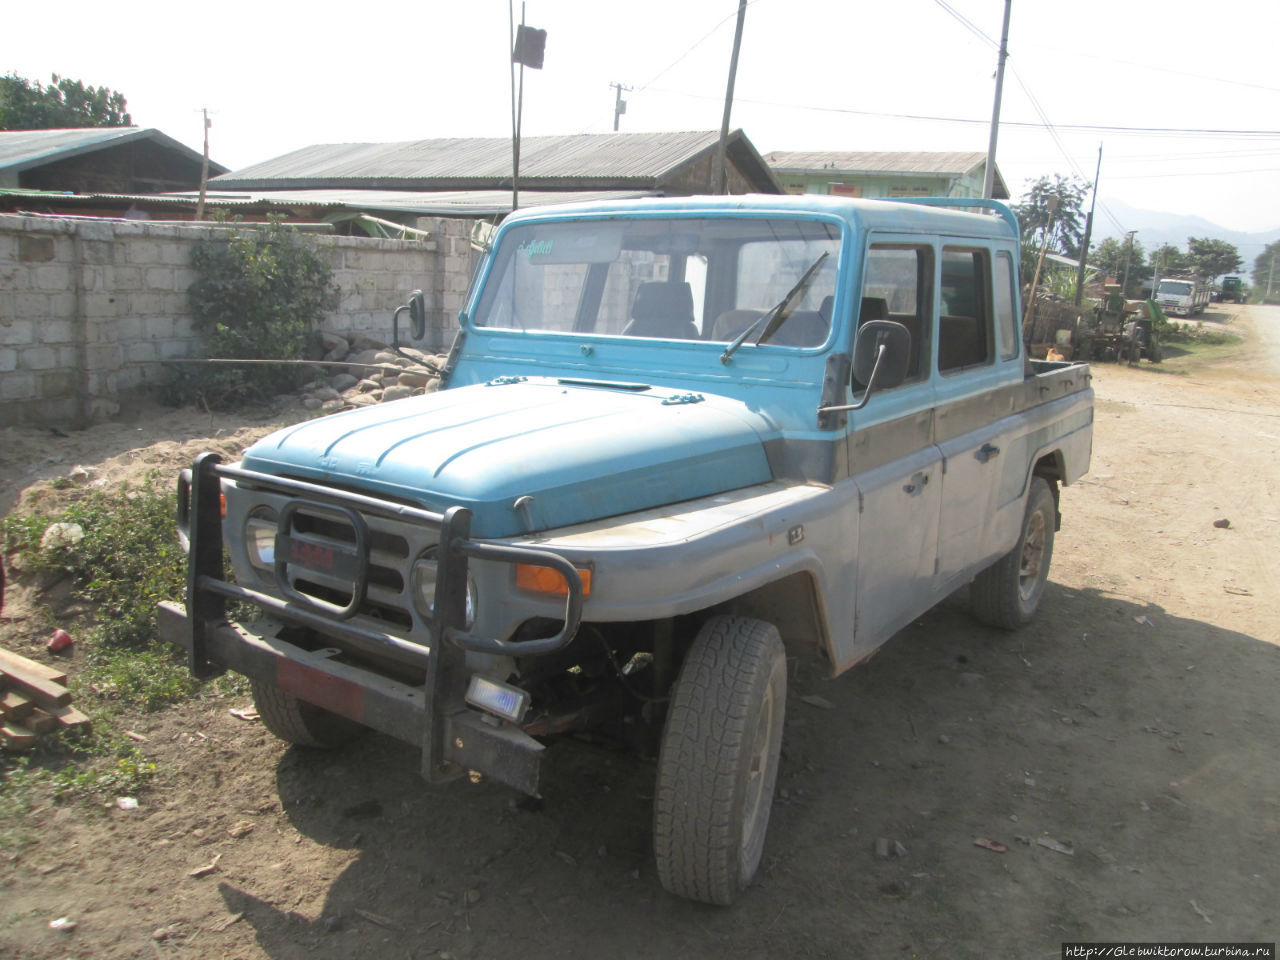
(1124, 757)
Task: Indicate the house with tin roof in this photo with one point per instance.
(117, 160)
(370, 187)
(882, 174)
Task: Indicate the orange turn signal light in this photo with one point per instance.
(546, 580)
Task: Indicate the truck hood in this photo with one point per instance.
(582, 452)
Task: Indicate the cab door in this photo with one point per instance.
(978, 356)
(892, 457)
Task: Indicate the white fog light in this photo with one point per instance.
(500, 699)
(425, 574)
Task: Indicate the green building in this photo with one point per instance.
(879, 175)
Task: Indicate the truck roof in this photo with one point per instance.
(944, 215)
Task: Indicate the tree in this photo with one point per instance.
(29, 105)
(1211, 258)
(1265, 278)
(1169, 261)
(1066, 223)
(1109, 258)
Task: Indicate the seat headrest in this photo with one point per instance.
(873, 308)
(670, 301)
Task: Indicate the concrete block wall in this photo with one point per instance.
(90, 309)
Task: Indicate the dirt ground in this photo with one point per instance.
(1123, 749)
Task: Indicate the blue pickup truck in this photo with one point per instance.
(676, 442)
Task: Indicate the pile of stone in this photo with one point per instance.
(370, 372)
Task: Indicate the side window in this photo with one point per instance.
(964, 329)
(895, 286)
(1006, 319)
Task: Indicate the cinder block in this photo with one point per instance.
(98, 305)
(140, 352)
(130, 328)
(175, 254)
(55, 386)
(8, 360)
(55, 331)
(38, 358)
(54, 276)
(159, 278)
(17, 333)
(143, 252)
(32, 307)
(103, 356)
(35, 249)
(19, 385)
(99, 251)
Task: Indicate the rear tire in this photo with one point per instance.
(298, 722)
(1007, 594)
(718, 763)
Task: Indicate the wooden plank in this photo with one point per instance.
(52, 674)
(40, 722)
(45, 693)
(16, 737)
(72, 719)
(13, 705)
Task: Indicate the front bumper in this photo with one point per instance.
(454, 737)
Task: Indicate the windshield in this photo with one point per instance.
(1175, 289)
(670, 278)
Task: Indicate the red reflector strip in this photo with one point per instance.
(322, 689)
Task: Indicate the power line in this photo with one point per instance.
(1024, 124)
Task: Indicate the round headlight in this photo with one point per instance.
(425, 574)
(260, 538)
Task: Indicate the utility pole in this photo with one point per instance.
(1128, 256)
(1088, 232)
(989, 180)
(1052, 204)
(527, 48)
(619, 105)
(718, 171)
(204, 168)
(1271, 275)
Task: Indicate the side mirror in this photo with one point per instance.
(874, 367)
(417, 310)
(417, 315)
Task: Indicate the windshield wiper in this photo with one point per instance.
(776, 315)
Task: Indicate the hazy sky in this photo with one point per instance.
(813, 75)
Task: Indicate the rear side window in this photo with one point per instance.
(1006, 319)
(964, 329)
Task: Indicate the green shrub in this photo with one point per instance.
(257, 296)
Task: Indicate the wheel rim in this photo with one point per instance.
(755, 799)
(1033, 544)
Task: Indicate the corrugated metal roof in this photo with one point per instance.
(635, 157)
(24, 149)
(941, 164)
(456, 203)
(444, 203)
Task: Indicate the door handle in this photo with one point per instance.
(917, 484)
(987, 452)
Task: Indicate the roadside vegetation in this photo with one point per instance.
(116, 552)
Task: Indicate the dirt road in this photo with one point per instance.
(1123, 749)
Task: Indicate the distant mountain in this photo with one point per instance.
(1156, 229)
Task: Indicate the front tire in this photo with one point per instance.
(1007, 594)
(718, 764)
(298, 722)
